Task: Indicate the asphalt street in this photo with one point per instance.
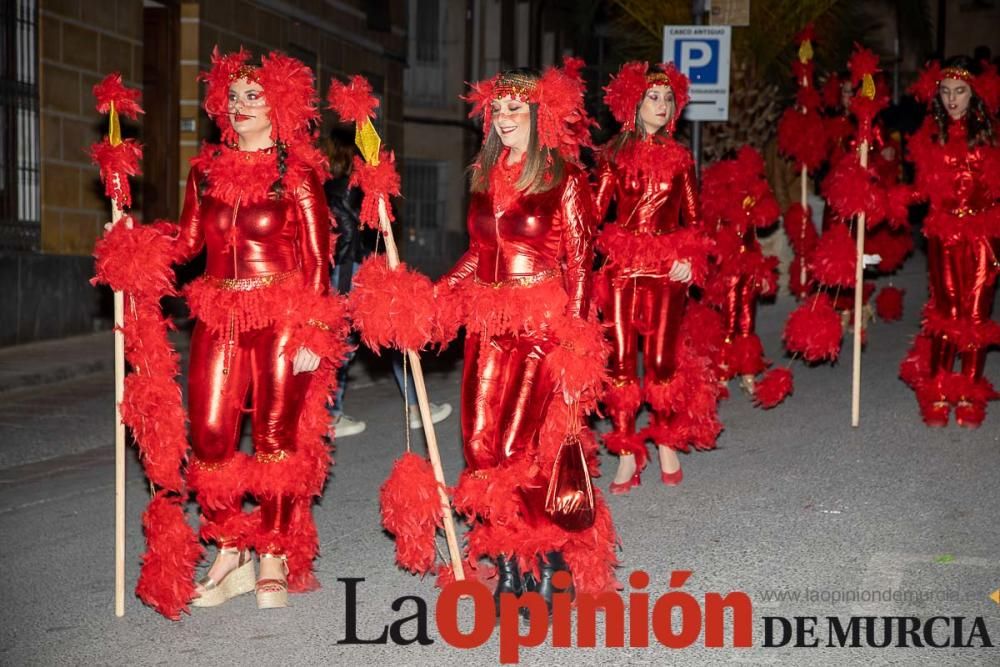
(793, 502)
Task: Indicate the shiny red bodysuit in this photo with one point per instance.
(524, 286)
(538, 242)
(963, 232)
(259, 248)
(652, 208)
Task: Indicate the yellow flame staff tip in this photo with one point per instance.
(368, 141)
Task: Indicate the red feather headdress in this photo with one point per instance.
(288, 88)
(563, 123)
(624, 93)
(986, 85)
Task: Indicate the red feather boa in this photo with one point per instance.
(814, 331)
(744, 355)
(166, 580)
(249, 176)
(137, 261)
(690, 398)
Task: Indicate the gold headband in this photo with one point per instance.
(515, 84)
(244, 72)
(658, 79)
(956, 73)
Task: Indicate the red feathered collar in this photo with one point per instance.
(249, 176)
(503, 180)
(656, 158)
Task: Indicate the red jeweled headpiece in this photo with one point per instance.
(625, 91)
(563, 123)
(288, 88)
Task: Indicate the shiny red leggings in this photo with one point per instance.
(962, 279)
(739, 310)
(651, 307)
(223, 374)
(506, 391)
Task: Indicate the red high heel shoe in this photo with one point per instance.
(672, 478)
(622, 488)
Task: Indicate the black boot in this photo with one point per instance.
(548, 566)
(508, 580)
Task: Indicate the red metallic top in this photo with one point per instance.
(259, 238)
(517, 235)
(648, 202)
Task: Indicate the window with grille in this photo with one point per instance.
(425, 203)
(426, 72)
(20, 207)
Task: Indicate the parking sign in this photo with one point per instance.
(702, 53)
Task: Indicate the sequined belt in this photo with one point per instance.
(520, 281)
(249, 284)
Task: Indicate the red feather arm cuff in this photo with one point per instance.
(377, 182)
(657, 252)
(121, 161)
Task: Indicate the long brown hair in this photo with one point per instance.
(543, 167)
(622, 139)
(980, 129)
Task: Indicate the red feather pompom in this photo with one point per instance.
(834, 260)
(898, 200)
(379, 181)
(801, 137)
(393, 307)
(776, 385)
(563, 123)
(411, 511)
(892, 245)
(352, 101)
(851, 189)
(806, 34)
(814, 331)
(889, 304)
(117, 163)
(862, 61)
(112, 90)
(166, 580)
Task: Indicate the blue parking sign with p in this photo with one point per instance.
(702, 52)
(699, 59)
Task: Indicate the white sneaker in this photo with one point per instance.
(438, 413)
(344, 426)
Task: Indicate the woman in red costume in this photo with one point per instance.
(655, 249)
(738, 202)
(255, 204)
(958, 171)
(533, 361)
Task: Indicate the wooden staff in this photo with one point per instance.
(392, 257)
(116, 216)
(859, 272)
(804, 177)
